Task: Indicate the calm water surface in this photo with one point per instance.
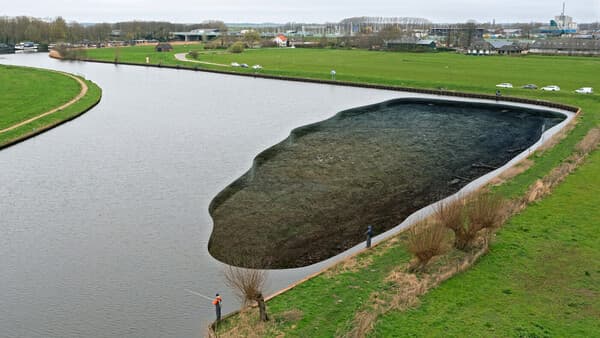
(104, 221)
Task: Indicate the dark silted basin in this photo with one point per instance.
(313, 195)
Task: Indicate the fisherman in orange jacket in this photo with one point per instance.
(217, 303)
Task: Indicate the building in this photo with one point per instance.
(410, 44)
(477, 33)
(163, 47)
(205, 34)
(562, 24)
(281, 40)
(566, 46)
(494, 47)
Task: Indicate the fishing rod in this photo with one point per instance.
(198, 294)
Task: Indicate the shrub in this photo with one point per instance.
(425, 241)
(194, 54)
(589, 142)
(452, 216)
(215, 44)
(467, 217)
(237, 47)
(486, 210)
(70, 53)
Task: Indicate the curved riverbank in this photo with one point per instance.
(88, 96)
(440, 92)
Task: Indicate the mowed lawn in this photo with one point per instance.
(430, 70)
(28, 92)
(540, 279)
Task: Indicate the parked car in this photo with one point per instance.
(235, 64)
(257, 67)
(585, 90)
(244, 65)
(504, 85)
(551, 88)
(529, 86)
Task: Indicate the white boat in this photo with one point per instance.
(26, 46)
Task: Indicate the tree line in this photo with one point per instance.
(22, 28)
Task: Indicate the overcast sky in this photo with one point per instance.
(281, 11)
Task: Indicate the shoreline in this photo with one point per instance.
(437, 92)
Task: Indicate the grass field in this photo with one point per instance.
(541, 279)
(542, 275)
(28, 92)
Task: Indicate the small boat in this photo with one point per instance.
(26, 47)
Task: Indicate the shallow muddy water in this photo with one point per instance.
(313, 195)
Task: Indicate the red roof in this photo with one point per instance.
(281, 37)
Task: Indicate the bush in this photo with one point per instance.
(425, 241)
(215, 44)
(194, 54)
(486, 210)
(452, 216)
(70, 53)
(237, 47)
(467, 217)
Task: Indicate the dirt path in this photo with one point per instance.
(181, 57)
(84, 89)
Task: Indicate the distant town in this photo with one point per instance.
(560, 35)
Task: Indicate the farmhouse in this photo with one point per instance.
(163, 47)
(281, 40)
(410, 44)
(493, 47)
(566, 46)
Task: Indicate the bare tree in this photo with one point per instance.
(248, 285)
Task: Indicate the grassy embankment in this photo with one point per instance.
(28, 92)
(542, 276)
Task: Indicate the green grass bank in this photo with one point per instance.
(541, 277)
(29, 92)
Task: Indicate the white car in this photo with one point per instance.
(585, 90)
(257, 67)
(235, 64)
(551, 88)
(504, 85)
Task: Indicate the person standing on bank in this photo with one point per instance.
(217, 303)
(369, 235)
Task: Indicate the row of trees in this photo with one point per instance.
(23, 28)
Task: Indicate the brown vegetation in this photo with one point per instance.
(467, 217)
(248, 284)
(425, 241)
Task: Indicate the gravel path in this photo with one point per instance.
(181, 57)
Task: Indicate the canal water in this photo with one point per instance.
(104, 221)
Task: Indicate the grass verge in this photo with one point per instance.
(43, 79)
